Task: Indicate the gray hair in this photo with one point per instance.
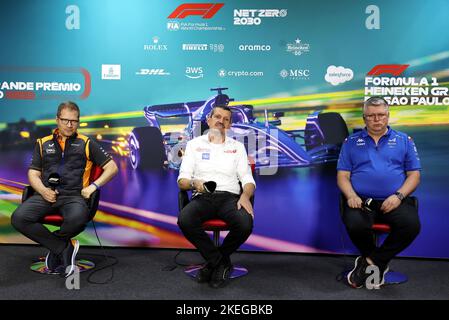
(376, 102)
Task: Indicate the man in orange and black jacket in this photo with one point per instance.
(68, 157)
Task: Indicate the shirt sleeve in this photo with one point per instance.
(188, 163)
(36, 160)
(412, 161)
(97, 154)
(344, 160)
(244, 172)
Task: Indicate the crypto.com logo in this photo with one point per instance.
(206, 10)
(393, 69)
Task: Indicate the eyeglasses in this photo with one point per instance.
(219, 117)
(67, 121)
(380, 116)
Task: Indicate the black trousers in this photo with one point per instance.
(215, 206)
(404, 223)
(73, 209)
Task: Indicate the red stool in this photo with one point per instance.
(57, 220)
(391, 277)
(216, 225)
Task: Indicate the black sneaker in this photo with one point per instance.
(68, 257)
(52, 261)
(205, 273)
(357, 276)
(221, 275)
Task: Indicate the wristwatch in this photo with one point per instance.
(399, 195)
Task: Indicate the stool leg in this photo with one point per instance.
(237, 271)
(217, 238)
(391, 277)
(82, 264)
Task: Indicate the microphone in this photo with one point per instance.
(370, 206)
(209, 186)
(54, 180)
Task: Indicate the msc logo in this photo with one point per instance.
(295, 74)
(194, 72)
(206, 10)
(393, 69)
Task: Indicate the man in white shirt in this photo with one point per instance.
(216, 157)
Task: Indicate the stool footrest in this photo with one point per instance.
(237, 271)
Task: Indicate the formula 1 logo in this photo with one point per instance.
(393, 69)
(206, 10)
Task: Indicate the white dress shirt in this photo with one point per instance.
(225, 163)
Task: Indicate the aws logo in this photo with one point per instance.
(194, 72)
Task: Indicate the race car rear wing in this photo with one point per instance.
(170, 110)
(174, 109)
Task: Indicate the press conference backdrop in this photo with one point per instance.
(284, 64)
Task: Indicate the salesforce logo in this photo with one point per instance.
(254, 47)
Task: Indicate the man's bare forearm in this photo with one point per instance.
(344, 183)
(109, 171)
(410, 183)
(34, 177)
(248, 190)
(184, 184)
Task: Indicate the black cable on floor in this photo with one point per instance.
(111, 265)
(178, 264)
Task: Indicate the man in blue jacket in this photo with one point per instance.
(382, 164)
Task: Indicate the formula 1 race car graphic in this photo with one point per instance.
(266, 144)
